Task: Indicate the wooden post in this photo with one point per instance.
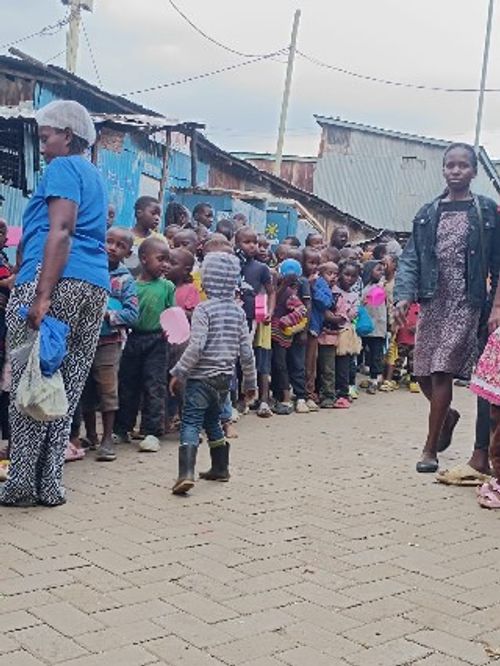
(164, 168)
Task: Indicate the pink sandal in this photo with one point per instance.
(341, 403)
(73, 453)
(488, 495)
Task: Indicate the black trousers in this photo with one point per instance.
(342, 372)
(143, 373)
(296, 364)
(375, 348)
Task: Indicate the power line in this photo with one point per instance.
(91, 53)
(48, 30)
(197, 77)
(216, 41)
(54, 57)
(388, 82)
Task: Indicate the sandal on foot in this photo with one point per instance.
(462, 475)
(73, 453)
(386, 387)
(488, 495)
(427, 466)
(444, 441)
(341, 403)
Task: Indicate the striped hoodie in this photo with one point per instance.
(219, 331)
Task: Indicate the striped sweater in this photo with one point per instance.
(219, 331)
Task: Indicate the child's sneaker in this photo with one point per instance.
(353, 392)
(283, 408)
(313, 407)
(264, 411)
(301, 407)
(372, 389)
(327, 403)
(414, 387)
(150, 444)
(105, 453)
(119, 438)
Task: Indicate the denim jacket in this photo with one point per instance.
(418, 275)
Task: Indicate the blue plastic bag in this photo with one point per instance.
(53, 336)
(364, 324)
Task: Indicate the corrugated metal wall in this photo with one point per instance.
(381, 179)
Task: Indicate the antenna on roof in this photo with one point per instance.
(73, 34)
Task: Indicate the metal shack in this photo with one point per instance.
(140, 152)
(383, 176)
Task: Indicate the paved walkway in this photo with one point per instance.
(326, 549)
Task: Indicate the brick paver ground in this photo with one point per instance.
(324, 549)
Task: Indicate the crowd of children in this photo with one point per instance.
(275, 330)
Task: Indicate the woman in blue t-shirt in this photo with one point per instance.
(63, 271)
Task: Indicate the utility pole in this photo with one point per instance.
(73, 34)
(484, 72)
(286, 93)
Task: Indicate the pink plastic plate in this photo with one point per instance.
(13, 236)
(376, 296)
(175, 325)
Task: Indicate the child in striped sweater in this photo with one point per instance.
(219, 335)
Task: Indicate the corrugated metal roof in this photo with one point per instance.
(26, 111)
(383, 176)
(245, 155)
(25, 66)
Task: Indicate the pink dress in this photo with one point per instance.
(486, 379)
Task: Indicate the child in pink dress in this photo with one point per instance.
(486, 384)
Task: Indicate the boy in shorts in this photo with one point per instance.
(101, 389)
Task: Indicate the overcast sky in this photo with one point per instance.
(141, 43)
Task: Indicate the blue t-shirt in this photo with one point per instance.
(76, 179)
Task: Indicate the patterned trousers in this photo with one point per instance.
(37, 449)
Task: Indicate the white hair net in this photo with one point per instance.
(68, 114)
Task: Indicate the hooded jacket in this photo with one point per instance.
(219, 331)
(123, 306)
(418, 268)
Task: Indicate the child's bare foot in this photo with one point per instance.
(229, 430)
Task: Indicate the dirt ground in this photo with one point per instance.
(325, 549)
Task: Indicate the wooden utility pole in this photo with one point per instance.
(286, 93)
(73, 34)
(484, 73)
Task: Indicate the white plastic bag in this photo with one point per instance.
(42, 398)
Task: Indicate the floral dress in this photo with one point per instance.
(448, 325)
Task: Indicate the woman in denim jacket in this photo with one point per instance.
(453, 255)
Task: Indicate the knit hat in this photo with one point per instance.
(64, 114)
(290, 267)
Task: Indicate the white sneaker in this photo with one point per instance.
(150, 444)
(301, 407)
(312, 406)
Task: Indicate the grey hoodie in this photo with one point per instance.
(219, 331)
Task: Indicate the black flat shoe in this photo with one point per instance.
(427, 466)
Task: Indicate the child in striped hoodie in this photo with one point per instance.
(219, 335)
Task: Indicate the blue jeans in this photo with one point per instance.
(202, 410)
(227, 410)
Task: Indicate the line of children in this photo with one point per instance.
(298, 343)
